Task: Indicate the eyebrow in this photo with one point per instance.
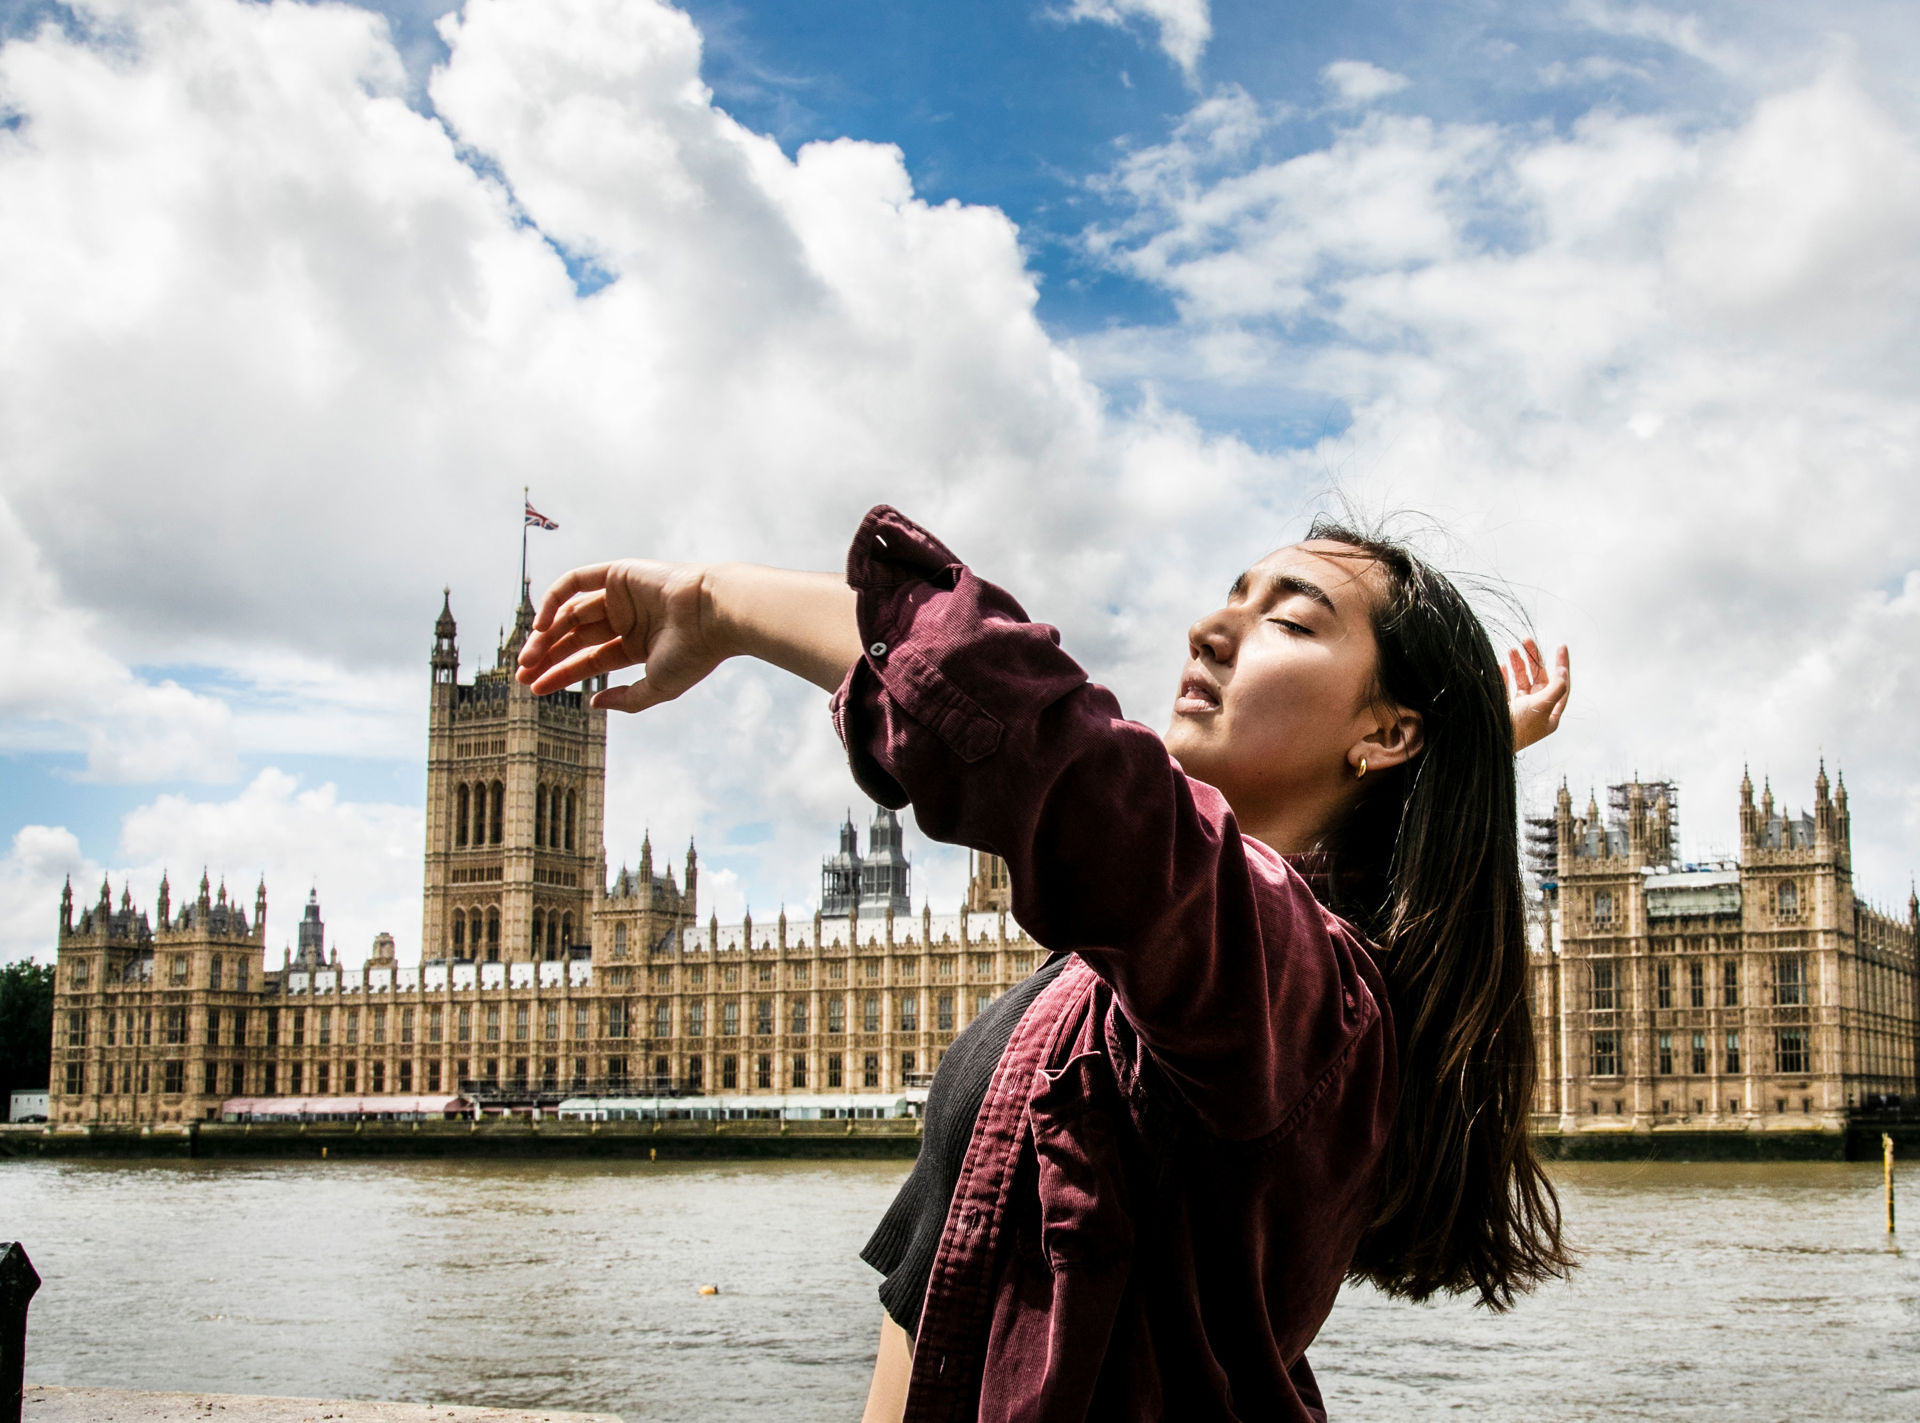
(1288, 583)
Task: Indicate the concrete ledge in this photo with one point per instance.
(514, 1138)
(1860, 1141)
(112, 1405)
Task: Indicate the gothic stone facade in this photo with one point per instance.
(1746, 995)
(539, 977)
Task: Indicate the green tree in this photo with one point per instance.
(26, 1027)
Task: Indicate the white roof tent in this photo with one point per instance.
(810, 1107)
(343, 1109)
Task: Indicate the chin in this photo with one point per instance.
(1187, 749)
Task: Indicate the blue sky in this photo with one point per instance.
(1114, 292)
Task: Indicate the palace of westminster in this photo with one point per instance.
(1744, 995)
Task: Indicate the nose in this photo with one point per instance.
(1211, 637)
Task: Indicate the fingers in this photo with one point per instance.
(1562, 674)
(578, 580)
(582, 621)
(558, 649)
(588, 662)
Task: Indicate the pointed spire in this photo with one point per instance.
(126, 897)
(522, 627)
(206, 888)
(444, 626)
(1821, 786)
(1746, 784)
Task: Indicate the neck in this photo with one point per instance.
(1288, 825)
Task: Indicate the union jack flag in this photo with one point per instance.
(537, 520)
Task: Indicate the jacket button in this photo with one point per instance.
(879, 649)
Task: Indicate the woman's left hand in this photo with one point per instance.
(1535, 698)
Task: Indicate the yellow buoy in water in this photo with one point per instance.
(709, 1289)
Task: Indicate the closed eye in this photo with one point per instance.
(1292, 626)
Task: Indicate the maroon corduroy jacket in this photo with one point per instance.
(1182, 1143)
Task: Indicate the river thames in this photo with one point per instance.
(1708, 1292)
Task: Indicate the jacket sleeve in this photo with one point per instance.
(1244, 988)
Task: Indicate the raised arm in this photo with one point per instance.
(681, 620)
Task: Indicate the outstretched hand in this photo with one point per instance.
(609, 616)
(1535, 698)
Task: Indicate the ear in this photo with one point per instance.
(1394, 740)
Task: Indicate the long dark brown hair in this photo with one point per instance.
(1430, 861)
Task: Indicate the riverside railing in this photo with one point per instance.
(18, 1281)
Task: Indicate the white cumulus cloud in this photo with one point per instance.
(1184, 26)
(1355, 82)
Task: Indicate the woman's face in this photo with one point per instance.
(1274, 707)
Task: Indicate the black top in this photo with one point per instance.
(908, 1237)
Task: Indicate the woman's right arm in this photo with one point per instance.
(681, 620)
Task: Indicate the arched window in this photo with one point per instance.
(540, 816)
(1789, 897)
(459, 933)
(499, 810)
(493, 935)
(479, 813)
(569, 824)
(539, 927)
(460, 818)
(566, 931)
(1603, 907)
(619, 941)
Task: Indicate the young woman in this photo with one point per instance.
(1283, 1036)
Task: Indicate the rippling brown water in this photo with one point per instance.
(1750, 1293)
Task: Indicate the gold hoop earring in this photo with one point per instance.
(1361, 774)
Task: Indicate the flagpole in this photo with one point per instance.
(526, 496)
